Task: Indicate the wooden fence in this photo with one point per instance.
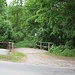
(42, 45)
(6, 45)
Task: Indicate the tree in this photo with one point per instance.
(52, 20)
(4, 22)
(15, 11)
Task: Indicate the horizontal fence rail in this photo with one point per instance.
(6, 45)
(42, 45)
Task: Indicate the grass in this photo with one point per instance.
(62, 51)
(60, 56)
(14, 57)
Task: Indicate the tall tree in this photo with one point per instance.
(55, 19)
(4, 23)
(52, 20)
(15, 11)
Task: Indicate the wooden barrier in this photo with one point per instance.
(44, 45)
(6, 45)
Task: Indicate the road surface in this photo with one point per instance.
(11, 68)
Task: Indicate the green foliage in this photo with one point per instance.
(14, 57)
(5, 26)
(51, 20)
(57, 49)
(2, 6)
(68, 52)
(24, 43)
(62, 51)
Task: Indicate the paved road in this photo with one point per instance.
(10, 68)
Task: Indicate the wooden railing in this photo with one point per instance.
(6, 45)
(42, 45)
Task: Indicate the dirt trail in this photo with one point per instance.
(39, 57)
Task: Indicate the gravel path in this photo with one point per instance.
(41, 58)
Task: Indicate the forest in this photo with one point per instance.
(26, 22)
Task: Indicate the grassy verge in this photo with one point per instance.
(14, 57)
(62, 51)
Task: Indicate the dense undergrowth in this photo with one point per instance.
(24, 43)
(62, 51)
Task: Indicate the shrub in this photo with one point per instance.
(68, 52)
(56, 49)
(62, 51)
(25, 43)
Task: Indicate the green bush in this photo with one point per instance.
(68, 52)
(56, 49)
(25, 43)
(62, 51)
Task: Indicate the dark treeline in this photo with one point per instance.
(50, 20)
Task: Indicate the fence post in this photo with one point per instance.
(40, 45)
(48, 46)
(9, 46)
